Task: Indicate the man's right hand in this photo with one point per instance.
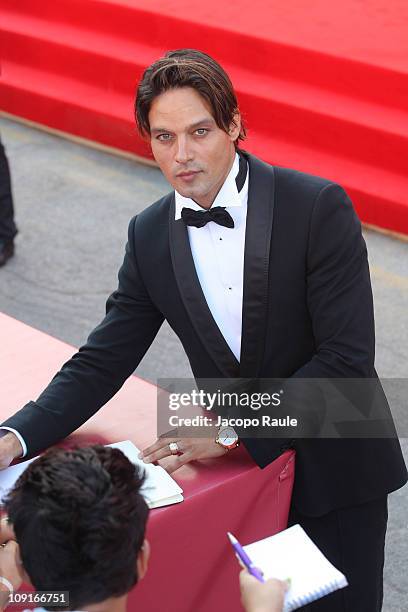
(10, 448)
(261, 597)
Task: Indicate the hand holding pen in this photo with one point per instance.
(266, 597)
(244, 559)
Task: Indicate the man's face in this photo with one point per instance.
(193, 153)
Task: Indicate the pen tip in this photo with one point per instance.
(231, 538)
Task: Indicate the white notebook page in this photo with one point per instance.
(292, 554)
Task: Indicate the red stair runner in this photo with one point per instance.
(318, 93)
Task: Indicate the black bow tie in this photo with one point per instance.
(196, 218)
(218, 214)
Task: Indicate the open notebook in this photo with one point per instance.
(292, 554)
(159, 488)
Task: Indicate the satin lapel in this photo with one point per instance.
(256, 266)
(194, 300)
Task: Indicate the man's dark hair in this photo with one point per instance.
(188, 68)
(79, 519)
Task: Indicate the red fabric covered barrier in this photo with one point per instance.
(192, 564)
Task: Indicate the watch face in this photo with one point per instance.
(227, 436)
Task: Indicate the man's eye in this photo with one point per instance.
(163, 137)
(201, 131)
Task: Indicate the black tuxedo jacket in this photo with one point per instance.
(307, 312)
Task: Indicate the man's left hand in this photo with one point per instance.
(190, 449)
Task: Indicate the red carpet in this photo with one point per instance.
(323, 85)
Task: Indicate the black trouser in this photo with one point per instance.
(353, 540)
(8, 228)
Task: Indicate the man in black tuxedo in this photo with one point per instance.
(262, 273)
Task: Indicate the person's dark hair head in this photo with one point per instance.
(188, 68)
(79, 519)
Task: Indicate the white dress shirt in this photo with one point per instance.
(218, 254)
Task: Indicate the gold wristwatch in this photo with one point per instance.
(227, 437)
